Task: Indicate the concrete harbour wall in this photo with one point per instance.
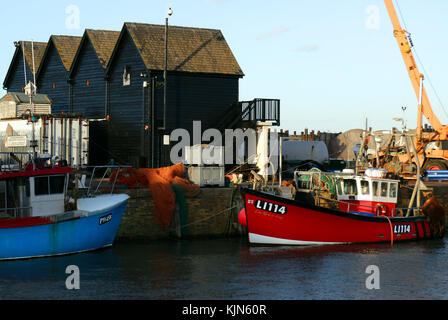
(208, 217)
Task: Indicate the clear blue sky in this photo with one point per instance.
(331, 63)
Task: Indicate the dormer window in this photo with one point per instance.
(126, 76)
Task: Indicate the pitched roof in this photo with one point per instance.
(189, 49)
(39, 50)
(103, 42)
(20, 97)
(67, 46)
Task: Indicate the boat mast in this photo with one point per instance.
(30, 90)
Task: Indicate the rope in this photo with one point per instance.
(208, 218)
(391, 231)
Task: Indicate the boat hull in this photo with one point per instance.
(278, 221)
(94, 231)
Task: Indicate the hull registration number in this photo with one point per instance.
(403, 228)
(105, 219)
(270, 207)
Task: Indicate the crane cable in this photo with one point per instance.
(419, 60)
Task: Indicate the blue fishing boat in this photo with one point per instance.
(39, 217)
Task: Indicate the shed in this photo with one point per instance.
(87, 73)
(52, 76)
(15, 77)
(202, 83)
(15, 104)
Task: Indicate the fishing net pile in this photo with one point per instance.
(164, 183)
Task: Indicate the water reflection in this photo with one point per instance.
(231, 269)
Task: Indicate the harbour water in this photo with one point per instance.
(230, 269)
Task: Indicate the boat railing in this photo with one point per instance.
(14, 213)
(410, 212)
(101, 179)
(396, 212)
(14, 161)
(349, 205)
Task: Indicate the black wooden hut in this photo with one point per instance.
(202, 83)
(52, 77)
(15, 77)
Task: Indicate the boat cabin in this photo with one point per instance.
(33, 192)
(370, 194)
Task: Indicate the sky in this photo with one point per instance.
(333, 64)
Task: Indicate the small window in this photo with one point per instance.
(384, 189)
(57, 184)
(41, 186)
(350, 187)
(339, 187)
(365, 190)
(127, 76)
(27, 188)
(375, 188)
(393, 190)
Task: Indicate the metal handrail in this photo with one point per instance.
(113, 167)
(352, 204)
(16, 210)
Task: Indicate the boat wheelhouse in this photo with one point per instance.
(369, 194)
(40, 217)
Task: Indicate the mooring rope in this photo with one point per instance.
(208, 218)
(391, 230)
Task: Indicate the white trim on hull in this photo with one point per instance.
(57, 254)
(259, 239)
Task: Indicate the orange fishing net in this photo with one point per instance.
(159, 181)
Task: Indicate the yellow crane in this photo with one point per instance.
(432, 147)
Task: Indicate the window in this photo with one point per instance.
(41, 186)
(350, 187)
(127, 76)
(365, 190)
(2, 194)
(339, 187)
(384, 189)
(375, 188)
(444, 144)
(49, 185)
(393, 190)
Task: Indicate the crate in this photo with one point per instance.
(204, 155)
(207, 176)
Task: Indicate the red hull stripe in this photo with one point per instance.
(29, 222)
(24, 222)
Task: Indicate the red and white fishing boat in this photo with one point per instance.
(364, 212)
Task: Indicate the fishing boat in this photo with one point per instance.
(363, 210)
(38, 217)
